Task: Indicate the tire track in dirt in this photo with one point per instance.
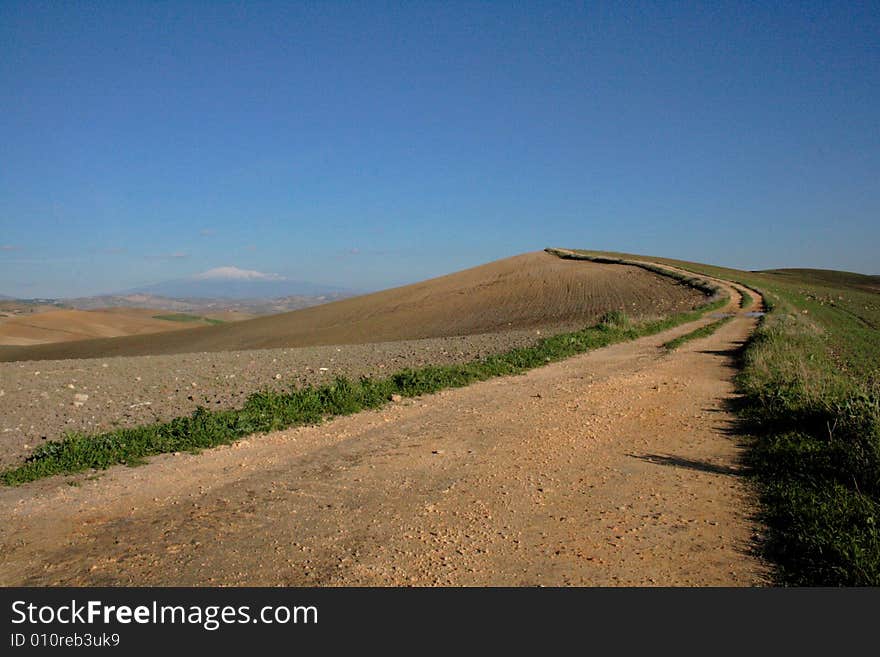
(616, 467)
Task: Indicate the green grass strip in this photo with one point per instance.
(702, 332)
(271, 411)
(185, 317)
(809, 404)
(179, 317)
(815, 452)
(745, 299)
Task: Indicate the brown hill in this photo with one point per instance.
(53, 326)
(534, 290)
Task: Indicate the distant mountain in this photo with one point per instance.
(200, 305)
(37, 301)
(216, 290)
(235, 283)
(129, 301)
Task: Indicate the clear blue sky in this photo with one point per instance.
(371, 144)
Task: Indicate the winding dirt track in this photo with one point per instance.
(617, 467)
(466, 316)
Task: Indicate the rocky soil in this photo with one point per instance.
(616, 467)
(41, 400)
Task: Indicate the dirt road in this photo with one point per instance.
(617, 467)
(457, 318)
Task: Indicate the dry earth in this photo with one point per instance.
(619, 466)
(41, 400)
(54, 326)
(530, 291)
(523, 297)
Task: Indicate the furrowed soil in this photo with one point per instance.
(41, 400)
(523, 298)
(530, 291)
(616, 467)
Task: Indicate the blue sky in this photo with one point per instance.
(373, 144)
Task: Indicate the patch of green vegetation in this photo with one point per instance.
(179, 317)
(810, 384)
(745, 299)
(270, 411)
(702, 332)
(614, 319)
(824, 277)
(184, 317)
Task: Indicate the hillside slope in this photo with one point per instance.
(534, 290)
(67, 325)
(827, 277)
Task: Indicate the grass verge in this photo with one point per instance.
(270, 411)
(816, 452)
(702, 332)
(810, 384)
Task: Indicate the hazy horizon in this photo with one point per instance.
(367, 147)
(325, 289)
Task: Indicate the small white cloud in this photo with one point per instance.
(9, 247)
(207, 232)
(236, 274)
